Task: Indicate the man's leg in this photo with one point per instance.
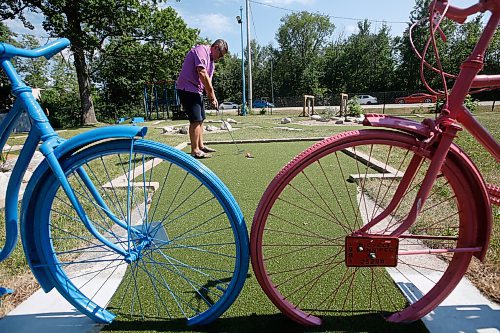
(195, 133)
(200, 138)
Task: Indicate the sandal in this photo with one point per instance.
(201, 155)
(208, 150)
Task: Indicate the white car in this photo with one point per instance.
(367, 99)
(228, 105)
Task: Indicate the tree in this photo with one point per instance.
(227, 79)
(361, 63)
(302, 38)
(33, 71)
(126, 63)
(261, 69)
(88, 24)
(5, 97)
(60, 97)
(408, 68)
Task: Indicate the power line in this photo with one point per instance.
(253, 23)
(330, 16)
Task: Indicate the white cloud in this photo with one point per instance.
(215, 23)
(35, 19)
(14, 25)
(211, 25)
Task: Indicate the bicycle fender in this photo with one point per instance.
(98, 134)
(421, 130)
(480, 196)
(31, 195)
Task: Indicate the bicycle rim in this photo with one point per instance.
(331, 190)
(184, 231)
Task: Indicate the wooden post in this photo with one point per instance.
(343, 104)
(308, 100)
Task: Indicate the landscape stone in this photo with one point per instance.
(226, 126)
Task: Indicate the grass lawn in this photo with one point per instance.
(247, 179)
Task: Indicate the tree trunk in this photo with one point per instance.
(87, 106)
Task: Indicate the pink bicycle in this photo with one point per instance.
(381, 220)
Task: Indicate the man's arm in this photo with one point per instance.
(207, 82)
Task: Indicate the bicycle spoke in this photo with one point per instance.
(181, 242)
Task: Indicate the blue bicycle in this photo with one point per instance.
(120, 225)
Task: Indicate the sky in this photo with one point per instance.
(217, 18)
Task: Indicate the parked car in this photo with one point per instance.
(228, 105)
(259, 104)
(367, 99)
(416, 98)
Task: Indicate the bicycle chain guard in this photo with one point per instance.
(371, 251)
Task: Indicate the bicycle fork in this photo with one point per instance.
(361, 239)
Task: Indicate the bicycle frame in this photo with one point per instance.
(53, 147)
(443, 130)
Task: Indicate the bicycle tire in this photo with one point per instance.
(188, 232)
(298, 232)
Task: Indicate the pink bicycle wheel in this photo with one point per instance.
(331, 190)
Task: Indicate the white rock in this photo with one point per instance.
(287, 128)
(35, 161)
(8, 165)
(4, 180)
(6, 147)
(210, 128)
(27, 176)
(231, 121)
(167, 129)
(286, 120)
(226, 126)
(316, 117)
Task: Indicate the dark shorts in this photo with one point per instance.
(192, 103)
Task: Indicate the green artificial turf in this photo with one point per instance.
(247, 178)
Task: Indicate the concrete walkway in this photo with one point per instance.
(465, 310)
(47, 313)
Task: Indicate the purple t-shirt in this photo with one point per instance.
(198, 56)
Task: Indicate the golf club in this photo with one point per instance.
(225, 125)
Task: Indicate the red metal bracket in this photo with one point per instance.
(370, 251)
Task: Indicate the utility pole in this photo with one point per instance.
(244, 102)
(272, 85)
(249, 57)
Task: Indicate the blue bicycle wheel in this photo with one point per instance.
(183, 233)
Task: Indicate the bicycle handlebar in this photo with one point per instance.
(457, 14)
(47, 51)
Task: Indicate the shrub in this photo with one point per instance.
(470, 103)
(353, 107)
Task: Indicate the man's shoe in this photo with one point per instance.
(208, 150)
(201, 155)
